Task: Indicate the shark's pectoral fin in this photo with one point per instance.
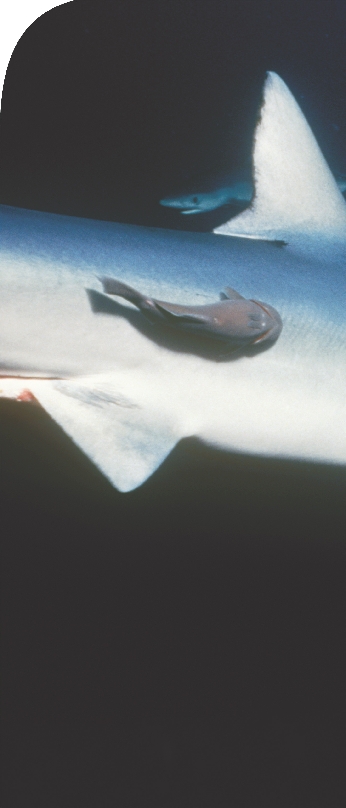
(124, 434)
(179, 316)
(295, 192)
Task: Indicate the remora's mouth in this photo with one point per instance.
(270, 311)
(275, 328)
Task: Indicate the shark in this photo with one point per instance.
(214, 192)
(211, 193)
(125, 389)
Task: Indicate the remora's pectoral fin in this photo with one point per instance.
(230, 294)
(179, 316)
(295, 191)
(124, 434)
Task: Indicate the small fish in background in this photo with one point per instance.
(210, 194)
(216, 192)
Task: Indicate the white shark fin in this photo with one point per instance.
(126, 436)
(295, 191)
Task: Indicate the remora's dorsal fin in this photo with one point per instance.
(230, 294)
(120, 428)
(295, 191)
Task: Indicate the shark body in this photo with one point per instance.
(126, 393)
(213, 193)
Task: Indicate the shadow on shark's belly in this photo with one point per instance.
(167, 337)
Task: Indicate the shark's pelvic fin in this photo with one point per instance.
(295, 191)
(124, 434)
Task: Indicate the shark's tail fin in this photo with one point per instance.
(295, 191)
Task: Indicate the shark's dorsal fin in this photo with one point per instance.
(295, 191)
(123, 433)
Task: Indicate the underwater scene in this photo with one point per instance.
(173, 404)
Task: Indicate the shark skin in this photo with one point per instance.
(125, 390)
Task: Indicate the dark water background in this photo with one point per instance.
(181, 646)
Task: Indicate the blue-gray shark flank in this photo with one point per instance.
(125, 393)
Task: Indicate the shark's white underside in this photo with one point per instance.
(125, 396)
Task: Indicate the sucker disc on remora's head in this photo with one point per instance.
(124, 394)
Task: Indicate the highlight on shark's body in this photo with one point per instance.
(215, 192)
(126, 397)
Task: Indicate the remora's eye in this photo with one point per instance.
(195, 200)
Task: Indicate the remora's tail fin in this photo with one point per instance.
(295, 191)
(114, 287)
